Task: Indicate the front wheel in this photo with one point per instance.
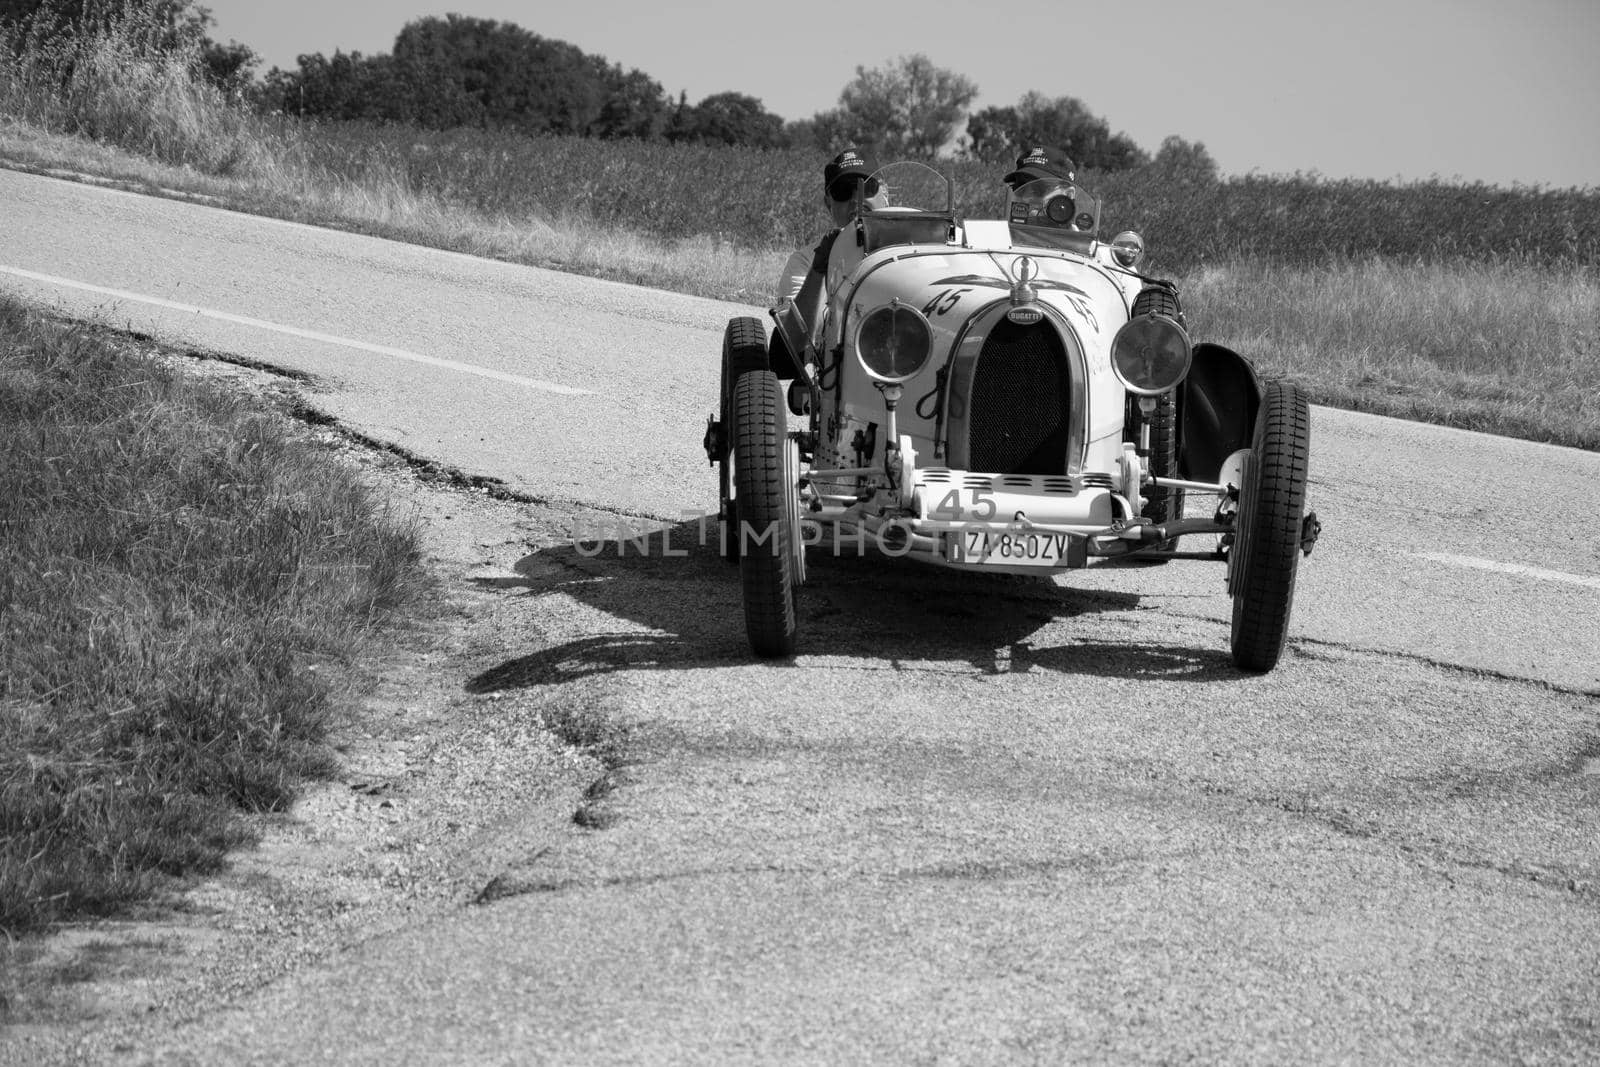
(744, 349)
(766, 479)
(1266, 546)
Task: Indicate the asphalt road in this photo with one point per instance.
(976, 819)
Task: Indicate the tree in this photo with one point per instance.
(464, 71)
(827, 132)
(993, 134)
(802, 133)
(461, 71)
(732, 118)
(230, 67)
(635, 106)
(999, 134)
(345, 86)
(908, 107)
(1185, 161)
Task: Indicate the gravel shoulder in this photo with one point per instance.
(440, 791)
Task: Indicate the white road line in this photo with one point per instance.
(1510, 568)
(310, 335)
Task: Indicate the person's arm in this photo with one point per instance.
(794, 273)
(809, 297)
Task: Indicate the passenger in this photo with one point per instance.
(1037, 165)
(803, 275)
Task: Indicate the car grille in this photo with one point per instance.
(1047, 484)
(1020, 413)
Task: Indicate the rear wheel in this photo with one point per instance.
(744, 349)
(766, 479)
(1266, 546)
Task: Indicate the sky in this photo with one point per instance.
(1499, 91)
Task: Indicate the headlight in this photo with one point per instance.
(1150, 354)
(893, 342)
(1127, 248)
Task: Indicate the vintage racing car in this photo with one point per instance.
(1005, 395)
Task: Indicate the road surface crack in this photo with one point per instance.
(1309, 646)
(505, 885)
(1348, 825)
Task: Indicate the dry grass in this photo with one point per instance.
(1508, 348)
(182, 581)
(122, 86)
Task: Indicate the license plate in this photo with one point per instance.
(1012, 549)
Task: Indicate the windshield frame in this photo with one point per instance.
(1035, 204)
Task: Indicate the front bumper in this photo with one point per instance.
(970, 520)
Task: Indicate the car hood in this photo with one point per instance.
(949, 286)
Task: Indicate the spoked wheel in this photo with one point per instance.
(766, 474)
(1266, 546)
(744, 349)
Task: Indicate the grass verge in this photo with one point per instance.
(1510, 348)
(183, 579)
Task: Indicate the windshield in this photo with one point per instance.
(1054, 204)
(907, 186)
(1049, 203)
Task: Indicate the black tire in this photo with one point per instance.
(1159, 300)
(768, 514)
(744, 349)
(1266, 547)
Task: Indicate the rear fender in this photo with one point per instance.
(1217, 411)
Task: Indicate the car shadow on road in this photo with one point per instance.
(683, 604)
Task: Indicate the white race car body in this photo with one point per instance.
(1006, 418)
(1008, 395)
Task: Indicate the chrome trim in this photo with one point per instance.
(959, 377)
(855, 341)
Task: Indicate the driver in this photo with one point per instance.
(1037, 165)
(807, 268)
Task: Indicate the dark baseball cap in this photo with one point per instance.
(851, 163)
(1038, 163)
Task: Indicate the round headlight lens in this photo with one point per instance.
(1127, 248)
(1150, 354)
(893, 342)
(1060, 209)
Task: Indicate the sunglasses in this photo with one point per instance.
(844, 189)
